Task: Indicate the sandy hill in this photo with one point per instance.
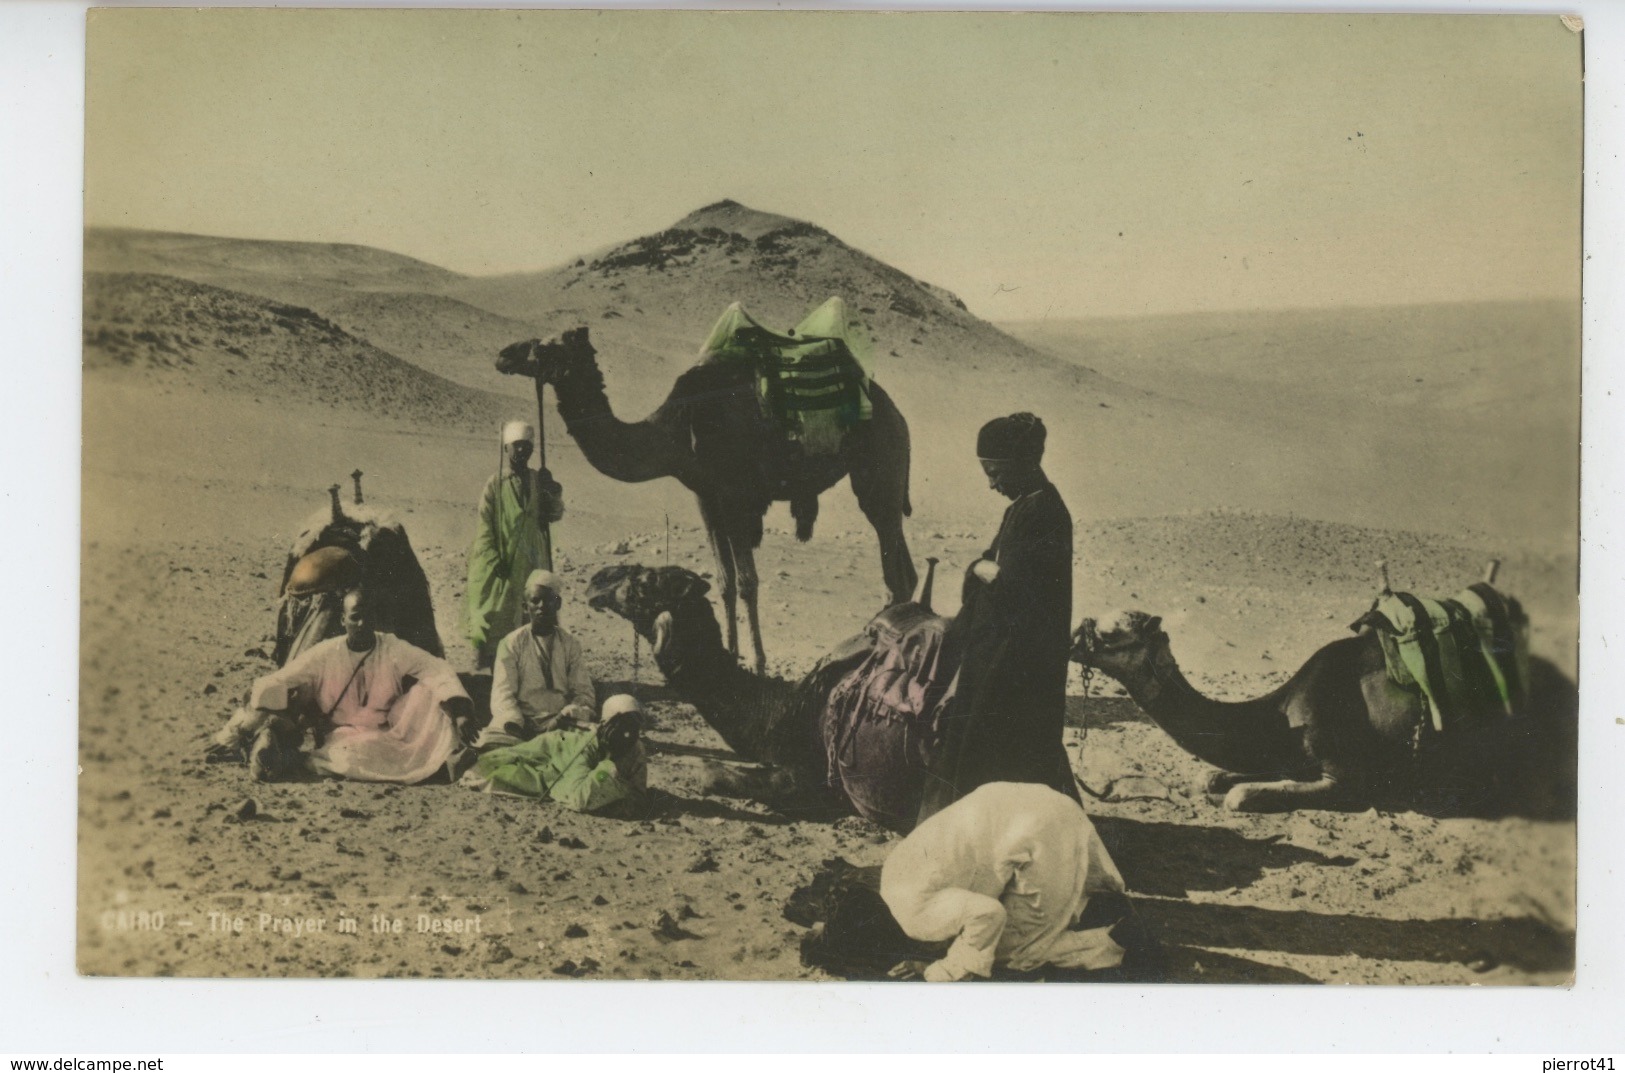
(445, 336)
(1444, 419)
(162, 329)
(302, 272)
(656, 296)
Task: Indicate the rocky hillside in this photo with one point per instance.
(160, 328)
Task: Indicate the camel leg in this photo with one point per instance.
(1221, 782)
(896, 565)
(765, 784)
(882, 507)
(877, 457)
(1288, 794)
(722, 552)
(745, 564)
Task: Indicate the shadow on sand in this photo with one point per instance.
(1170, 860)
(1520, 942)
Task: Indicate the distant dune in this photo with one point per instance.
(1446, 419)
(159, 328)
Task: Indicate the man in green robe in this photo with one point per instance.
(513, 540)
(602, 769)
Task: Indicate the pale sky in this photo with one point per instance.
(1037, 165)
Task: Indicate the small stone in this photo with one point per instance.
(705, 863)
(247, 810)
(575, 931)
(545, 836)
(565, 968)
(454, 951)
(599, 899)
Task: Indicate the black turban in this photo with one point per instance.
(1017, 438)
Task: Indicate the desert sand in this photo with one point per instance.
(1238, 475)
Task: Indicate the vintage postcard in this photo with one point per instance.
(830, 496)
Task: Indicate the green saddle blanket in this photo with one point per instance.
(813, 382)
(1467, 656)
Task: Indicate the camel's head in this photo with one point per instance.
(1119, 644)
(655, 600)
(546, 361)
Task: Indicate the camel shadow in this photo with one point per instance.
(1522, 943)
(1170, 860)
(1186, 964)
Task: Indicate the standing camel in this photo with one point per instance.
(712, 435)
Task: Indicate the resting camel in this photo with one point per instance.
(1337, 735)
(711, 435)
(378, 547)
(786, 726)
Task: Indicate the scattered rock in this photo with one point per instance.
(565, 968)
(667, 930)
(545, 836)
(572, 842)
(247, 810)
(354, 814)
(575, 931)
(705, 863)
(453, 951)
(599, 899)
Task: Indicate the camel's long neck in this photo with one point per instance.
(624, 452)
(746, 709)
(1244, 736)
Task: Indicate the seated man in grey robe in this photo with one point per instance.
(540, 681)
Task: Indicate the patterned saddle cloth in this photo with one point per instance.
(1467, 656)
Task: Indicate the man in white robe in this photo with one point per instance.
(540, 681)
(382, 710)
(1004, 872)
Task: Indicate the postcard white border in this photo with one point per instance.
(50, 1009)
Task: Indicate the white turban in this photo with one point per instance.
(620, 704)
(542, 579)
(517, 431)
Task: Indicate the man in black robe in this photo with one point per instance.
(1004, 723)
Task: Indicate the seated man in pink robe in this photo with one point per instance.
(381, 710)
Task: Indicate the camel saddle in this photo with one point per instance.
(1468, 656)
(813, 383)
(880, 726)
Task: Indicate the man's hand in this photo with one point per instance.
(986, 569)
(619, 737)
(460, 710)
(908, 970)
(576, 715)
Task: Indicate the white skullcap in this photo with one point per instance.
(542, 579)
(620, 704)
(515, 431)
